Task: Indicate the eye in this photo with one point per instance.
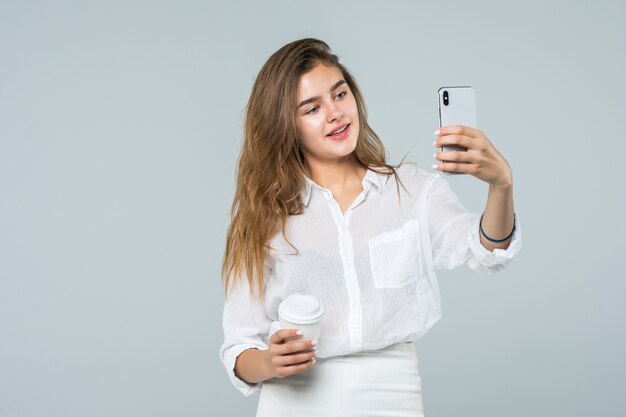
(342, 94)
(311, 111)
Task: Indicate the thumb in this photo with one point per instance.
(280, 335)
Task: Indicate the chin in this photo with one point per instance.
(347, 151)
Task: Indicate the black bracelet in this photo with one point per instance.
(480, 226)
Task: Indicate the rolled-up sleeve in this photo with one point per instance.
(245, 326)
(488, 261)
(455, 233)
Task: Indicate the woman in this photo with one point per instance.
(318, 210)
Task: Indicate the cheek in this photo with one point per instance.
(356, 130)
(311, 127)
(307, 134)
(355, 109)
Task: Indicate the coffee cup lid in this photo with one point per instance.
(301, 308)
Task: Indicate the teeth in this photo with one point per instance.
(339, 131)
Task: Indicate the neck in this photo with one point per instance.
(336, 175)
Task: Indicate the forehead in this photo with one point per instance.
(318, 81)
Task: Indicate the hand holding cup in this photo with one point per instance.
(293, 348)
(286, 358)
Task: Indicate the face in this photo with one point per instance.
(325, 104)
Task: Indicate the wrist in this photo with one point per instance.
(266, 368)
(502, 187)
(504, 181)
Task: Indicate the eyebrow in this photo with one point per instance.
(312, 99)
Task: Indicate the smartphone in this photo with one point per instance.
(457, 106)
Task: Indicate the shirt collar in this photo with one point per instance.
(371, 178)
(375, 178)
(305, 194)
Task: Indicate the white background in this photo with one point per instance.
(120, 125)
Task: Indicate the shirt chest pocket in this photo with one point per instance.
(395, 256)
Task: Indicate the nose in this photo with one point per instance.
(334, 113)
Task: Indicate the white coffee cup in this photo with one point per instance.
(303, 312)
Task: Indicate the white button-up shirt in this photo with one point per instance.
(372, 267)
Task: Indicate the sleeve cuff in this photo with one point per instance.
(498, 259)
(230, 357)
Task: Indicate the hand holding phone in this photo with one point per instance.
(457, 106)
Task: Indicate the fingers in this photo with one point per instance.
(284, 371)
(279, 336)
(292, 347)
(460, 161)
(457, 156)
(459, 130)
(481, 159)
(465, 136)
(463, 167)
(283, 339)
(293, 356)
(457, 161)
(460, 140)
(296, 358)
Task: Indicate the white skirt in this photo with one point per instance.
(380, 383)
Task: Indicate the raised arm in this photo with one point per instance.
(483, 161)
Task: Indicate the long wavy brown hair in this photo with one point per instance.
(271, 165)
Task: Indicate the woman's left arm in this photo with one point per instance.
(483, 161)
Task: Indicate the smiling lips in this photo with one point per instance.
(340, 133)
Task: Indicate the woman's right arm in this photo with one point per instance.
(249, 366)
(248, 356)
(280, 360)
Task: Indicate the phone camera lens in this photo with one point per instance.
(445, 98)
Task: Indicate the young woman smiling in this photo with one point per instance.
(318, 210)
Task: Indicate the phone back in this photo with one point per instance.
(457, 106)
